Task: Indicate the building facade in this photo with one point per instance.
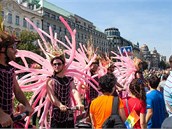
(45, 14)
(116, 41)
(155, 59)
(84, 28)
(14, 15)
(151, 57)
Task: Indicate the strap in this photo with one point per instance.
(115, 106)
(126, 100)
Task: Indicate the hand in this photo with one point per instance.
(29, 109)
(80, 107)
(63, 107)
(5, 120)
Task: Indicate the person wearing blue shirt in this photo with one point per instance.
(156, 112)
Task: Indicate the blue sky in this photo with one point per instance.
(144, 21)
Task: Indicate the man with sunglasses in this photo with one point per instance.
(8, 82)
(168, 98)
(61, 89)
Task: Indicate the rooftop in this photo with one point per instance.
(55, 8)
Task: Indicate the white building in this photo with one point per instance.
(14, 15)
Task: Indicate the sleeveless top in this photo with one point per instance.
(92, 92)
(6, 88)
(62, 91)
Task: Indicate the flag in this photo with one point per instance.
(132, 119)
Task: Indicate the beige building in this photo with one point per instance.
(155, 59)
(14, 15)
(151, 57)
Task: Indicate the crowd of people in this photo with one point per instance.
(149, 95)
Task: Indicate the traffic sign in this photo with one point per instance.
(126, 50)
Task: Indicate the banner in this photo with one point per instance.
(126, 50)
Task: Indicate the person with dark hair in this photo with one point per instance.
(101, 107)
(8, 81)
(60, 88)
(136, 101)
(156, 112)
(111, 68)
(92, 93)
(139, 74)
(162, 82)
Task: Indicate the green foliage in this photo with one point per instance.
(28, 36)
(34, 2)
(28, 42)
(28, 96)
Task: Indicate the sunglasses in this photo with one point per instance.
(57, 64)
(170, 61)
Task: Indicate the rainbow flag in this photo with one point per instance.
(132, 119)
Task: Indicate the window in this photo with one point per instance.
(9, 18)
(47, 14)
(48, 24)
(24, 23)
(69, 22)
(54, 27)
(17, 20)
(65, 31)
(2, 13)
(30, 6)
(53, 16)
(57, 18)
(60, 29)
(85, 36)
(31, 27)
(38, 24)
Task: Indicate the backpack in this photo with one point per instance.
(167, 123)
(114, 120)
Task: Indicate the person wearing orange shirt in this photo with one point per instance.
(101, 107)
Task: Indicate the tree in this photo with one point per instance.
(28, 42)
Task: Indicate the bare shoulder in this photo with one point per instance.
(49, 81)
